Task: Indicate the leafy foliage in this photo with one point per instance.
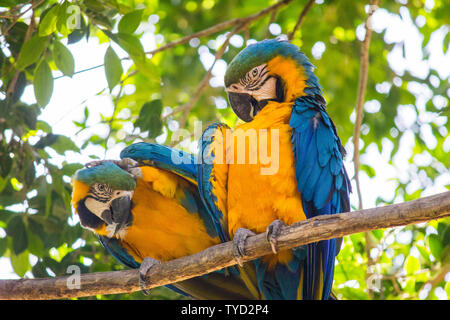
(403, 106)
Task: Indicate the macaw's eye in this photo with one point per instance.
(100, 187)
(255, 72)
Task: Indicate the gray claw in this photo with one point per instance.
(126, 163)
(146, 265)
(272, 233)
(239, 238)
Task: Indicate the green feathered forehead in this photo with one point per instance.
(106, 173)
(260, 53)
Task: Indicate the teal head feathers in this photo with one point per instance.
(270, 70)
(102, 198)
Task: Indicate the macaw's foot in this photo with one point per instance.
(126, 163)
(272, 233)
(96, 163)
(239, 238)
(146, 265)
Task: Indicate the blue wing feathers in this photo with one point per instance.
(173, 160)
(322, 182)
(205, 175)
(178, 162)
(115, 248)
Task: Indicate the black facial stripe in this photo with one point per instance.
(264, 72)
(251, 80)
(100, 198)
(260, 84)
(280, 90)
(87, 218)
(103, 195)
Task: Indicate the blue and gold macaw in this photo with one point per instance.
(146, 209)
(284, 164)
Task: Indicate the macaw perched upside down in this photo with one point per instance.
(271, 86)
(148, 209)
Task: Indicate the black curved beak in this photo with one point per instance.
(121, 212)
(243, 104)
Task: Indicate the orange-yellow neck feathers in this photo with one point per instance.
(291, 73)
(80, 190)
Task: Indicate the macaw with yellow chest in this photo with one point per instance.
(284, 164)
(146, 209)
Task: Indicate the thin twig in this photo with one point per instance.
(363, 74)
(187, 108)
(111, 120)
(273, 16)
(220, 256)
(438, 278)
(223, 26)
(192, 133)
(206, 32)
(33, 6)
(300, 18)
(15, 77)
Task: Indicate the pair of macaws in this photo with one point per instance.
(150, 207)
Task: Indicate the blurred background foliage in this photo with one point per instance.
(405, 126)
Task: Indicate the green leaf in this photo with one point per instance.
(46, 141)
(48, 23)
(368, 169)
(423, 252)
(65, 20)
(69, 169)
(39, 271)
(44, 126)
(412, 265)
(78, 33)
(17, 231)
(64, 144)
(435, 245)
(31, 51)
(148, 68)
(378, 234)
(35, 246)
(150, 118)
(30, 174)
(43, 83)
(63, 59)
(130, 22)
(20, 263)
(113, 68)
(131, 44)
(3, 246)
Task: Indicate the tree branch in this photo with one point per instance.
(211, 30)
(186, 108)
(220, 256)
(300, 18)
(223, 26)
(15, 77)
(273, 16)
(16, 18)
(364, 71)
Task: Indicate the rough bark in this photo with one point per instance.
(220, 256)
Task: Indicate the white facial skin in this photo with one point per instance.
(104, 192)
(101, 196)
(257, 83)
